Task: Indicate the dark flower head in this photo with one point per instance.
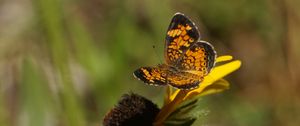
(132, 110)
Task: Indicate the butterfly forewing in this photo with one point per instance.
(181, 34)
(152, 75)
(163, 74)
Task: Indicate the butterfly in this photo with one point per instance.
(187, 58)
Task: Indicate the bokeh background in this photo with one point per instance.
(67, 62)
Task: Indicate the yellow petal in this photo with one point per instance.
(223, 58)
(216, 74)
(168, 95)
(208, 86)
(216, 87)
(221, 71)
(174, 94)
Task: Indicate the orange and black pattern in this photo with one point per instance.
(163, 74)
(188, 59)
(199, 57)
(152, 75)
(181, 34)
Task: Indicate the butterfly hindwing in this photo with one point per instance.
(199, 57)
(183, 80)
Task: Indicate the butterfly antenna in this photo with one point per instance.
(159, 57)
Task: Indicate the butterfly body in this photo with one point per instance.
(187, 58)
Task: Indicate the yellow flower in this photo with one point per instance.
(212, 83)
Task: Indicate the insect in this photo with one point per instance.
(187, 58)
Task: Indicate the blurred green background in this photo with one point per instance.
(67, 62)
